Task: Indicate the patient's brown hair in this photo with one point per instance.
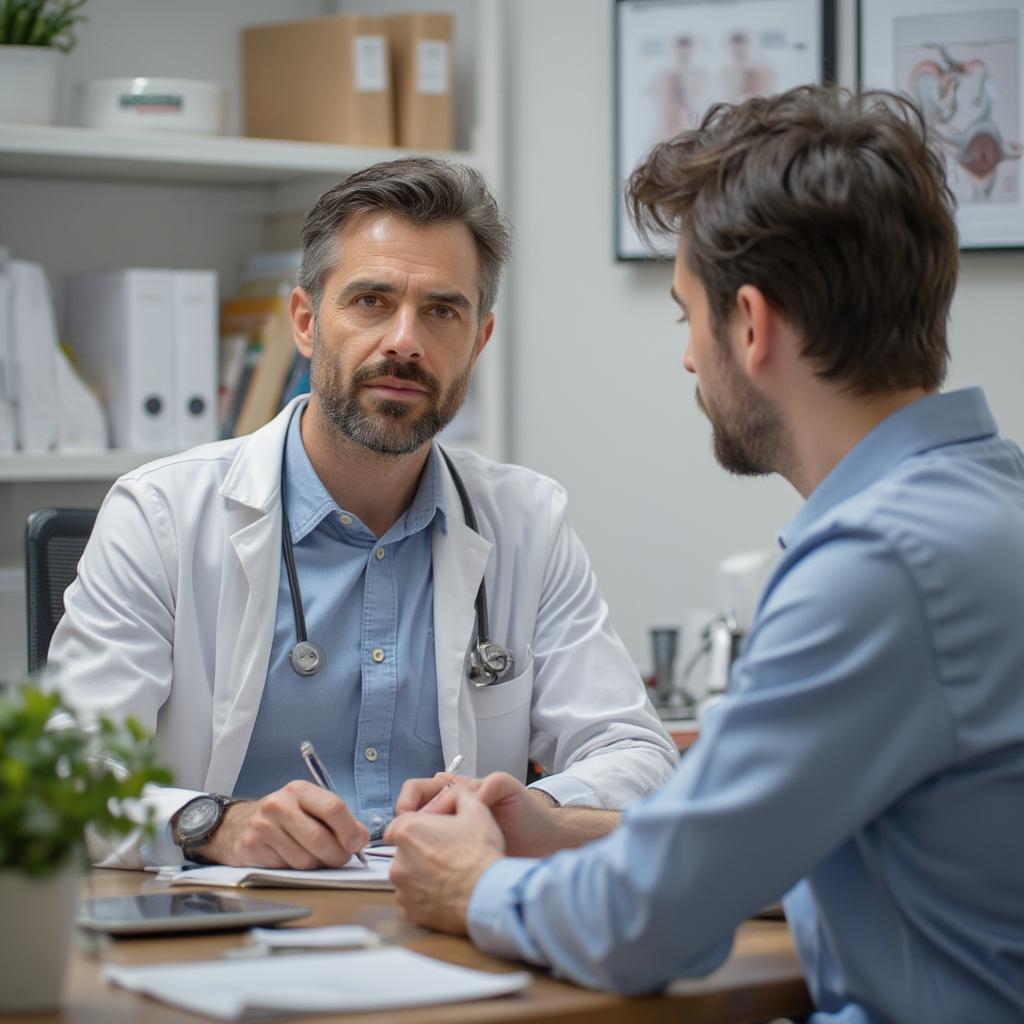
(836, 207)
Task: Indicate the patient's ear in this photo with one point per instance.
(755, 328)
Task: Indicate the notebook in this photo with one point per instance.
(352, 876)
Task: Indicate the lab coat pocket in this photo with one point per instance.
(502, 715)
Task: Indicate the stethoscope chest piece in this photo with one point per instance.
(489, 663)
(307, 658)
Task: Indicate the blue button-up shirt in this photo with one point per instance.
(871, 744)
(372, 712)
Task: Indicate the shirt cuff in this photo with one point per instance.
(160, 848)
(493, 919)
(567, 790)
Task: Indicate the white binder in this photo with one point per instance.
(126, 328)
(195, 350)
(33, 343)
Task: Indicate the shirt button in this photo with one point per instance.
(347, 520)
(377, 654)
(380, 553)
(370, 753)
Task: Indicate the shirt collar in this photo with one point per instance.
(930, 422)
(309, 502)
(428, 500)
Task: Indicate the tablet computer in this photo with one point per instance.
(160, 912)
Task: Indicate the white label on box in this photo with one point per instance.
(432, 67)
(371, 60)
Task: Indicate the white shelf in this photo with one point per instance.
(21, 467)
(67, 152)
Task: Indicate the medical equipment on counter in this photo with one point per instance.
(741, 579)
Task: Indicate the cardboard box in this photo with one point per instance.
(320, 80)
(421, 61)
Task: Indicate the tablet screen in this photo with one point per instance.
(182, 912)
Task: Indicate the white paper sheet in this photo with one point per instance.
(331, 935)
(313, 983)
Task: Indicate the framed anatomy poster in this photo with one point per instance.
(675, 58)
(961, 63)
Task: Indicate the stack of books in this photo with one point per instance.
(260, 369)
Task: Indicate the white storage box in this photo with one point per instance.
(155, 104)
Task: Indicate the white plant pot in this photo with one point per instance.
(37, 918)
(28, 84)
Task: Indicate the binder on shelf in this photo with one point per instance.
(421, 75)
(322, 79)
(122, 329)
(195, 350)
(33, 350)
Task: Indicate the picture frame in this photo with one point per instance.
(675, 58)
(964, 68)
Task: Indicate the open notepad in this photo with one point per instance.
(313, 983)
(352, 876)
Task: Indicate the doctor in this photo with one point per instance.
(319, 580)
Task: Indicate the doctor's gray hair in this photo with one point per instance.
(423, 191)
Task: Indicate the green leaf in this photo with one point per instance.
(57, 779)
(40, 23)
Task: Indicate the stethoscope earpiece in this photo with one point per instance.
(487, 664)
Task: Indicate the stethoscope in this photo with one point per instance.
(487, 663)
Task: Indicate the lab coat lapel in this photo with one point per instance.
(253, 484)
(245, 668)
(459, 560)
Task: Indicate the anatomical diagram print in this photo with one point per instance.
(963, 71)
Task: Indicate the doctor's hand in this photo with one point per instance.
(299, 826)
(440, 859)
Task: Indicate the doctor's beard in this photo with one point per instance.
(388, 427)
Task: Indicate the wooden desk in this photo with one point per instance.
(760, 980)
(684, 732)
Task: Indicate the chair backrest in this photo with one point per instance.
(54, 541)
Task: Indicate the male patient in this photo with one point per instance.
(183, 613)
(868, 760)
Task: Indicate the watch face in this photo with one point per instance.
(198, 816)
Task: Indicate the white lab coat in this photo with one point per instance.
(172, 616)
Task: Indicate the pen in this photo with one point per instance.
(454, 766)
(323, 780)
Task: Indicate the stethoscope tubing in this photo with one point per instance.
(308, 658)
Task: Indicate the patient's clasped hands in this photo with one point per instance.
(462, 827)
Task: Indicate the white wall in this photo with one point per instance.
(602, 402)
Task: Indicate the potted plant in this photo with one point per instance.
(58, 777)
(33, 36)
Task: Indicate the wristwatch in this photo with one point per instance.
(196, 821)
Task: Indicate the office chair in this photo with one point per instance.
(54, 541)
